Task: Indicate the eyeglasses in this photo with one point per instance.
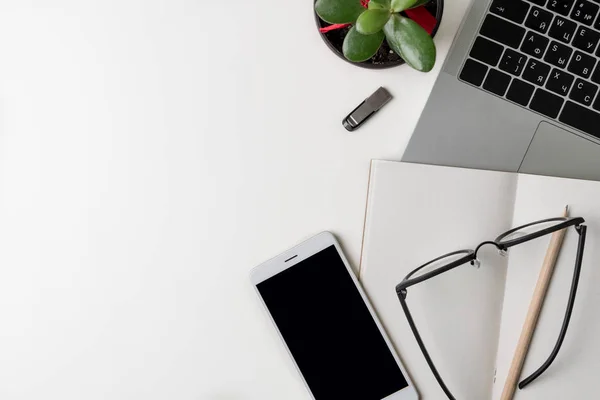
(513, 237)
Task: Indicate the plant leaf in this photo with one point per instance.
(339, 11)
(401, 5)
(372, 21)
(419, 3)
(411, 42)
(358, 47)
(380, 4)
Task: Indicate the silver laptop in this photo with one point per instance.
(519, 91)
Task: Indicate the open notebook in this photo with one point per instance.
(471, 318)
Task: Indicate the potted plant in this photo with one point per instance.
(381, 33)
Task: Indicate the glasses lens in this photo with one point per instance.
(439, 263)
(529, 230)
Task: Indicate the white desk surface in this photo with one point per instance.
(151, 153)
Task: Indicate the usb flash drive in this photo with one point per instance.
(366, 109)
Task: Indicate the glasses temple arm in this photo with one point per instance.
(582, 229)
(423, 349)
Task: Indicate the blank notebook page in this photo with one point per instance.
(414, 214)
(574, 373)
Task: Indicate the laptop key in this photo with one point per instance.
(487, 51)
(596, 104)
(562, 29)
(473, 72)
(534, 44)
(515, 10)
(584, 12)
(581, 64)
(586, 39)
(596, 75)
(502, 31)
(558, 54)
(560, 6)
(598, 51)
(512, 62)
(496, 82)
(580, 117)
(538, 2)
(520, 92)
(597, 24)
(538, 19)
(536, 72)
(559, 82)
(583, 92)
(546, 103)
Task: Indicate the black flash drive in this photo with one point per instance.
(366, 109)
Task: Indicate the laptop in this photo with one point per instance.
(519, 91)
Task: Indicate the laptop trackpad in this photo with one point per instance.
(558, 152)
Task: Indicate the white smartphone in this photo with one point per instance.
(328, 325)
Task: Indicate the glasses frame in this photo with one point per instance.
(470, 256)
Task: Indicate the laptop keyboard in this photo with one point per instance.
(542, 55)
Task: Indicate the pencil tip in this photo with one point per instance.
(566, 209)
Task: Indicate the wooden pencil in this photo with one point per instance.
(535, 307)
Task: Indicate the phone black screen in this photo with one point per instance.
(329, 330)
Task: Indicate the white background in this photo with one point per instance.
(152, 153)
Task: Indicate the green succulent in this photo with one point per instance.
(381, 20)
